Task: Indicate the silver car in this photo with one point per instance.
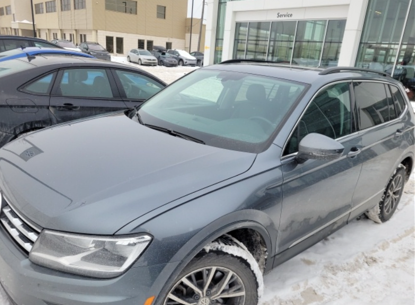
(142, 57)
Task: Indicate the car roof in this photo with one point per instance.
(307, 75)
(33, 51)
(59, 61)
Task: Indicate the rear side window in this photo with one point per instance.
(372, 102)
(10, 44)
(398, 101)
(40, 86)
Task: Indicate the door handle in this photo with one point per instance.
(399, 133)
(354, 151)
(69, 106)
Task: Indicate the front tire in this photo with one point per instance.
(215, 277)
(390, 199)
(128, 59)
(139, 62)
(181, 63)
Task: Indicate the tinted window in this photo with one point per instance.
(40, 86)
(85, 83)
(372, 103)
(137, 86)
(398, 101)
(10, 44)
(328, 114)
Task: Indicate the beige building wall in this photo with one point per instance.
(19, 22)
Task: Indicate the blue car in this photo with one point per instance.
(33, 51)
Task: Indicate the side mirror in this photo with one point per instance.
(318, 147)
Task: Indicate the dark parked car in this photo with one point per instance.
(223, 175)
(199, 56)
(38, 51)
(95, 49)
(9, 42)
(47, 90)
(166, 59)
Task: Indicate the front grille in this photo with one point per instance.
(24, 233)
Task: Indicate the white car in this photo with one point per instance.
(142, 57)
(183, 57)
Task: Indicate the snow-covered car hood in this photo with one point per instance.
(97, 175)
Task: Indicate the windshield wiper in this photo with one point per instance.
(173, 132)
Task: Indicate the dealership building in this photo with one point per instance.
(376, 34)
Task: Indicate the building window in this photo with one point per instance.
(122, 6)
(8, 10)
(141, 44)
(120, 45)
(64, 36)
(333, 43)
(109, 43)
(65, 5)
(55, 35)
(71, 37)
(169, 46)
(161, 12)
(39, 8)
(150, 45)
(50, 6)
(1, 11)
(258, 34)
(82, 37)
(79, 4)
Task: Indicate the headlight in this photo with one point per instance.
(93, 53)
(94, 256)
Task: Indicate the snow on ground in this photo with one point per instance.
(363, 263)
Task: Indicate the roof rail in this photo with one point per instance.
(340, 69)
(273, 63)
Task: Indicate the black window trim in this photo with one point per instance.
(289, 156)
(55, 90)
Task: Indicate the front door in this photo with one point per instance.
(83, 92)
(317, 195)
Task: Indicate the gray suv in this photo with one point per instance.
(214, 181)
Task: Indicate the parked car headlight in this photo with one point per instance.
(93, 256)
(92, 53)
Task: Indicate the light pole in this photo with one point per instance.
(191, 28)
(33, 19)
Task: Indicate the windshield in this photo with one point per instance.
(11, 52)
(145, 52)
(66, 44)
(184, 53)
(224, 109)
(96, 47)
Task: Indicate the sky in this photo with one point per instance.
(197, 9)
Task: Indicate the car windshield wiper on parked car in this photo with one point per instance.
(171, 132)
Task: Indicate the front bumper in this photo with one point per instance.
(28, 283)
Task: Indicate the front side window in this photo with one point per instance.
(372, 102)
(85, 83)
(50, 6)
(65, 5)
(79, 4)
(161, 12)
(40, 86)
(11, 44)
(398, 103)
(329, 114)
(231, 110)
(39, 8)
(137, 86)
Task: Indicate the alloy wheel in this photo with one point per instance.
(393, 194)
(210, 285)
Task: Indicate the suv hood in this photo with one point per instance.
(97, 175)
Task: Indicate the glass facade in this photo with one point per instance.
(388, 39)
(306, 43)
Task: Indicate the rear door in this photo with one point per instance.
(82, 92)
(379, 106)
